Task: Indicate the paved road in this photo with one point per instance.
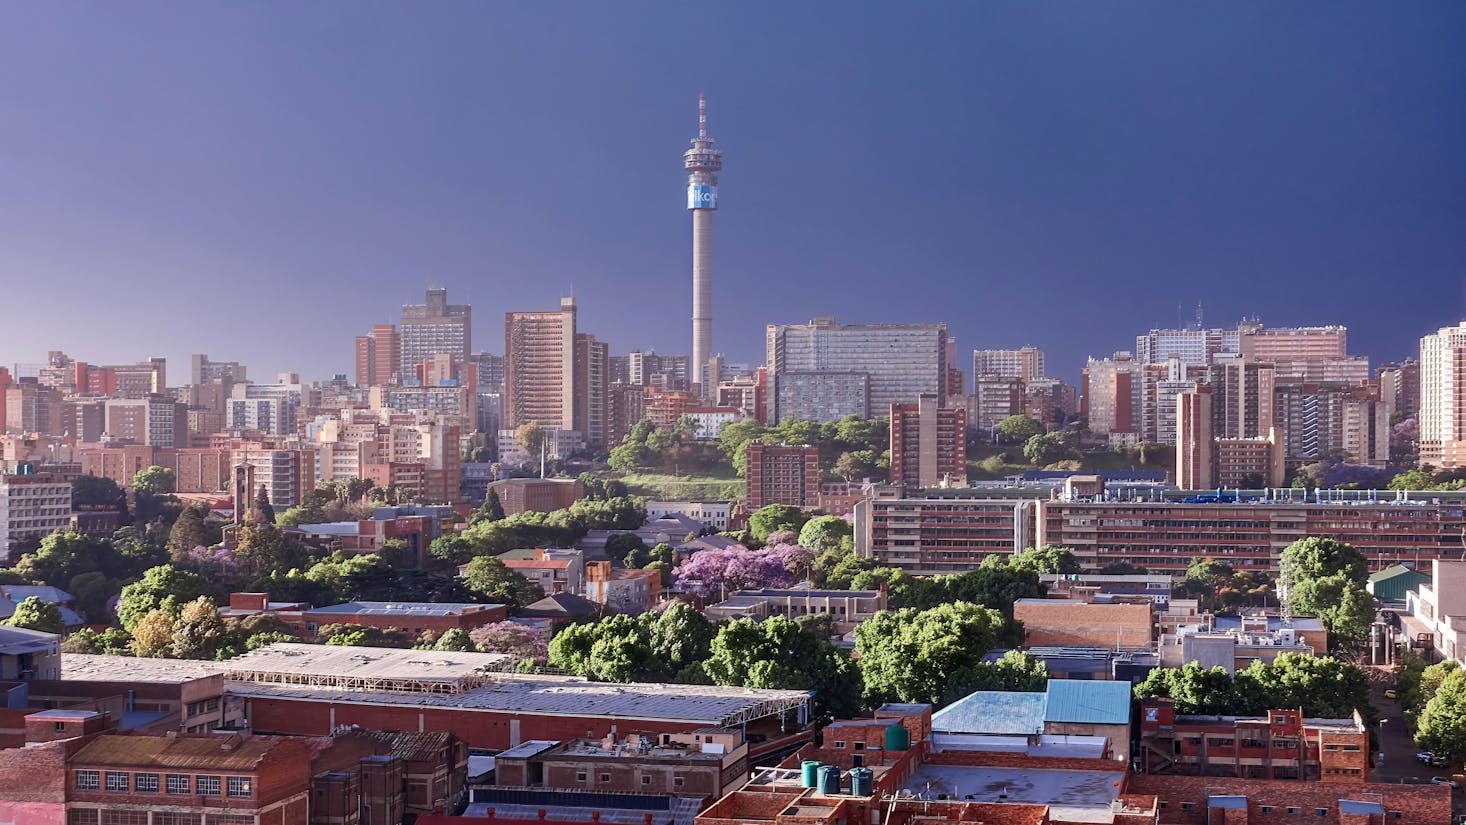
(1399, 749)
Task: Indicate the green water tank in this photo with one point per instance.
(830, 780)
(860, 781)
(897, 738)
(809, 776)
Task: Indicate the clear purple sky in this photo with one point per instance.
(262, 181)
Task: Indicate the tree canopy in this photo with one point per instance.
(925, 655)
(33, 614)
(784, 654)
(773, 518)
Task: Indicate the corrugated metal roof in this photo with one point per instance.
(1088, 702)
(993, 711)
(222, 753)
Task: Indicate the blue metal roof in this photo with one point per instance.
(1089, 702)
(993, 711)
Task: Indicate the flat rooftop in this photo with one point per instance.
(1072, 796)
(99, 667)
(566, 696)
(403, 608)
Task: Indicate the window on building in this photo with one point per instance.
(677, 781)
(81, 816)
(1186, 806)
(860, 746)
(605, 777)
(240, 787)
(1293, 810)
(211, 704)
(646, 780)
(88, 780)
(124, 817)
(1321, 811)
(580, 777)
(175, 818)
(145, 782)
(116, 781)
(840, 744)
(206, 785)
(1267, 809)
(177, 784)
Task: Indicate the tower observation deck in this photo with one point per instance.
(703, 161)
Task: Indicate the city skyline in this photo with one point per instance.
(250, 176)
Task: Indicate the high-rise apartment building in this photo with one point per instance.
(1318, 420)
(139, 380)
(202, 370)
(1026, 363)
(32, 408)
(592, 399)
(1242, 397)
(32, 506)
(539, 368)
(782, 474)
(490, 371)
(928, 444)
(1400, 385)
(265, 408)
(1193, 346)
(379, 357)
(1442, 397)
(994, 397)
(1109, 394)
(155, 421)
(435, 326)
(823, 371)
(1159, 386)
(1194, 440)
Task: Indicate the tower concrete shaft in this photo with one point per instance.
(702, 162)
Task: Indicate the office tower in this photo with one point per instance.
(1400, 384)
(627, 406)
(539, 368)
(703, 162)
(434, 327)
(1442, 397)
(781, 474)
(1315, 421)
(1249, 463)
(31, 408)
(1242, 397)
(928, 444)
(83, 418)
(1108, 397)
(1026, 363)
(265, 408)
(1194, 346)
(651, 369)
(1194, 439)
(592, 402)
(1312, 354)
(32, 506)
(823, 371)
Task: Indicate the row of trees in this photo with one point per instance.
(907, 656)
(1322, 686)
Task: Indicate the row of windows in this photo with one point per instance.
(104, 816)
(606, 777)
(176, 784)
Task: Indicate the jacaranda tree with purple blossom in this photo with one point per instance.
(710, 573)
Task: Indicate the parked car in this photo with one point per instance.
(1439, 762)
(1442, 780)
(1424, 758)
(1390, 694)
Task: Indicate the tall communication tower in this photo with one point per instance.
(702, 162)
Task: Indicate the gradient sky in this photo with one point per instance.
(263, 181)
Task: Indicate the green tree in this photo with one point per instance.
(1195, 689)
(152, 634)
(1315, 558)
(491, 510)
(779, 653)
(199, 632)
(529, 438)
(455, 639)
(826, 533)
(451, 550)
(494, 582)
(187, 533)
(97, 491)
(1018, 429)
(153, 481)
(264, 547)
(1046, 559)
(355, 635)
(1322, 686)
(619, 547)
(776, 517)
(164, 588)
(925, 655)
(264, 510)
(1049, 448)
(33, 614)
(1442, 727)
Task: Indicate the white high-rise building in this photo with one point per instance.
(823, 371)
(1025, 363)
(433, 328)
(1443, 397)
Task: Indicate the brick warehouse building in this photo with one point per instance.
(313, 690)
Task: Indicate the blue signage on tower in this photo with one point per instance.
(702, 196)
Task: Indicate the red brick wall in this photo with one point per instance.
(1419, 804)
(480, 729)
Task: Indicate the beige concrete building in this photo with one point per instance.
(539, 368)
(1194, 470)
(1442, 397)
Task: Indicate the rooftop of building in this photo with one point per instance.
(1307, 624)
(215, 752)
(566, 696)
(528, 748)
(1076, 701)
(1317, 723)
(1395, 570)
(561, 604)
(98, 667)
(1072, 795)
(645, 747)
(1102, 579)
(404, 608)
